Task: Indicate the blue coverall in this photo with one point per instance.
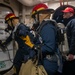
(49, 47)
(23, 51)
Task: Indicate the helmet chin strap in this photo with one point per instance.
(37, 20)
(46, 16)
(12, 24)
(36, 23)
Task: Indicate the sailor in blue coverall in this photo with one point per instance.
(24, 50)
(47, 36)
(49, 48)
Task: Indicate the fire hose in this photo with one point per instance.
(4, 49)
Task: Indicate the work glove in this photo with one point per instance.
(2, 46)
(26, 58)
(31, 55)
(28, 41)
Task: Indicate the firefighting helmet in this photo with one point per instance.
(10, 16)
(41, 8)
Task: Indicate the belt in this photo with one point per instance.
(52, 57)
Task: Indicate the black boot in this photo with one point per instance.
(14, 74)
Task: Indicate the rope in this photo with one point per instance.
(9, 55)
(60, 2)
(67, 2)
(63, 2)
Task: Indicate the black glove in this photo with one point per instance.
(2, 46)
(26, 58)
(36, 47)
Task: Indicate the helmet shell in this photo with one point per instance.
(10, 16)
(41, 8)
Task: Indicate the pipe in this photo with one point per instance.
(32, 2)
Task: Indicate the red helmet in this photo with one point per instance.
(41, 8)
(10, 16)
(68, 9)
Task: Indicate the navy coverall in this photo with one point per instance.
(49, 47)
(23, 51)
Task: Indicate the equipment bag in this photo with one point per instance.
(32, 66)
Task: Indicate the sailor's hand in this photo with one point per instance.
(70, 57)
